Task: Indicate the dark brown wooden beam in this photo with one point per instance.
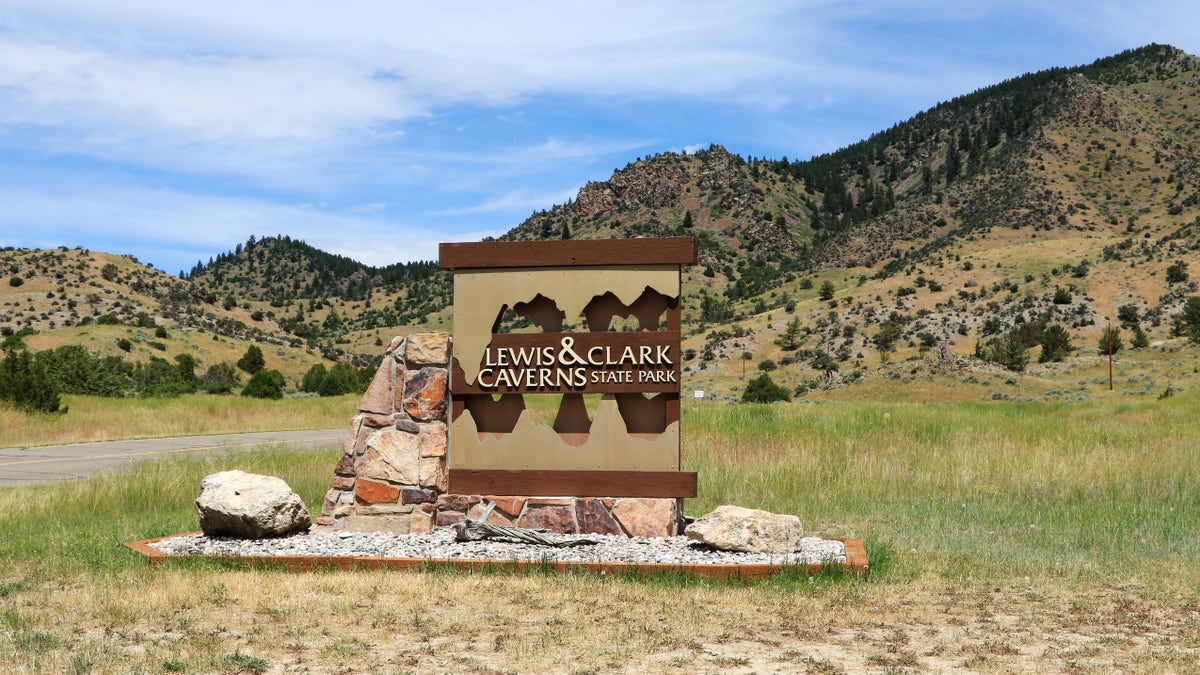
(543, 483)
(568, 253)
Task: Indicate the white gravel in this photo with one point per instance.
(440, 545)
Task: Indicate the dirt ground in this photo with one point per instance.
(432, 622)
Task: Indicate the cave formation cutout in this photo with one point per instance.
(642, 414)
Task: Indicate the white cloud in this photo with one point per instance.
(269, 70)
(206, 98)
(517, 200)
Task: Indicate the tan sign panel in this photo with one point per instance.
(571, 322)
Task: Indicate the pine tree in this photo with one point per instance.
(252, 361)
(1187, 322)
(789, 339)
(1056, 344)
(1110, 341)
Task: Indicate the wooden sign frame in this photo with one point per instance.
(627, 445)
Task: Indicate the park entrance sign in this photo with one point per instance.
(565, 376)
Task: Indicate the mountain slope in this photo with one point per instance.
(1067, 197)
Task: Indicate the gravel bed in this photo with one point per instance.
(440, 545)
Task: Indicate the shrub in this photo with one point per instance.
(159, 377)
(1177, 273)
(26, 385)
(265, 384)
(342, 378)
(1128, 315)
(767, 365)
(1062, 296)
(885, 339)
(76, 371)
(311, 382)
(822, 361)
(252, 361)
(15, 339)
(220, 378)
(763, 389)
(1140, 340)
(186, 365)
(15, 281)
(1008, 351)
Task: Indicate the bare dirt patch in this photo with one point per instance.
(398, 622)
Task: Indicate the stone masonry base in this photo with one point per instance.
(393, 473)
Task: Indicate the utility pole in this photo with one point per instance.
(1108, 334)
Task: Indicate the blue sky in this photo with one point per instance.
(174, 130)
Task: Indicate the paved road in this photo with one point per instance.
(47, 463)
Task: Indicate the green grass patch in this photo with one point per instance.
(963, 489)
(75, 527)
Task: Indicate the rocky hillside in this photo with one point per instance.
(1066, 197)
(1069, 197)
(319, 297)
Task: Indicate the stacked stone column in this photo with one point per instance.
(394, 466)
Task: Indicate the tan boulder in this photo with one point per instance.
(736, 528)
(250, 506)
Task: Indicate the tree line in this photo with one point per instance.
(34, 382)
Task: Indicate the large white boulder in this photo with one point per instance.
(736, 528)
(249, 506)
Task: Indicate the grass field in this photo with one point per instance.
(93, 418)
(1003, 536)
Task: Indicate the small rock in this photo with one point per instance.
(736, 528)
(249, 506)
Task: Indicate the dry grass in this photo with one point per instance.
(93, 418)
(944, 495)
(186, 620)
